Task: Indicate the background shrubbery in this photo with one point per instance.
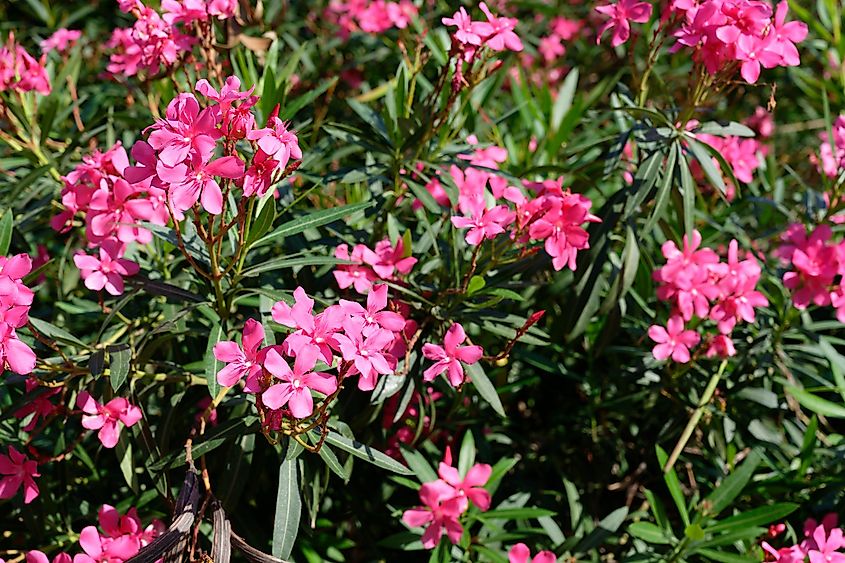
(598, 447)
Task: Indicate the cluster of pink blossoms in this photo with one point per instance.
(620, 15)
(15, 302)
(20, 71)
(386, 262)
(451, 357)
(352, 338)
(159, 40)
(176, 168)
(369, 16)
(700, 287)
(497, 33)
(112, 207)
(61, 40)
(121, 538)
(548, 213)
(822, 543)
(725, 34)
(816, 264)
(447, 499)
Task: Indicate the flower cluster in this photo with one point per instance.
(497, 33)
(387, 262)
(20, 71)
(816, 264)
(16, 471)
(620, 15)
(700, 287)
(821, 544)
(542, 211)
(749, 34)
(348, 337)
(369, 16)
(121, 538)
(447, 499)
(111, 207)
(15, 301)
(180, 154)
(61, 40)
(108, 418)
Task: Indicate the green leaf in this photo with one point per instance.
(291, 109)
(694, 532)
(476, 283)
(815, 403)
(262, 223)
(330, 459)
(466, 457)
(648, 532)
(515, 513)
(732, 485)
(565, 95)
(754, 517)
(288, 510)
(419, 465)
(688, 191)
(485, 387)
(56, 333)
(725, 129)
(674, 486)
(120, 357)
(315, 219)
(212, 440)
(714, 175)
(212, 366)
(837, 364)
(283, 262)
(6, 225)
(366, 453)
(723, 557)
(606, 527)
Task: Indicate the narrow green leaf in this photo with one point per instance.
(648, 532)
(815, 403)
(515, 513)
(59, 334)
(212, 366)
(732, 485)
(288, 510)
(485, 387)
(315, 219)
(6, 225)
(366, 453)
(754, 517)
(674, 486)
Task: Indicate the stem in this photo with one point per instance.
(696, 416)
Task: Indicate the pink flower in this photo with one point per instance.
(440, 510)
(484, 224)
(316, 331)
(196, 182)
(61, 40)
(621, 14)
(356, 274)
(450, 356)
(673, 340)
(38, 404)
(108, 271)
(521, 554)
(754, 53)
(240, 362)
(470, 487)
(18, 471)
(721, 346)
(375, 317)
(107, 418)
(391, 259)
(786, 34)
(21, 72)
(186, 128)
(36, 556)
(366, 351)
(827, 546)
(465, 33)
(276, 141)
(297, 384)
(15, 355)
(498, 33)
